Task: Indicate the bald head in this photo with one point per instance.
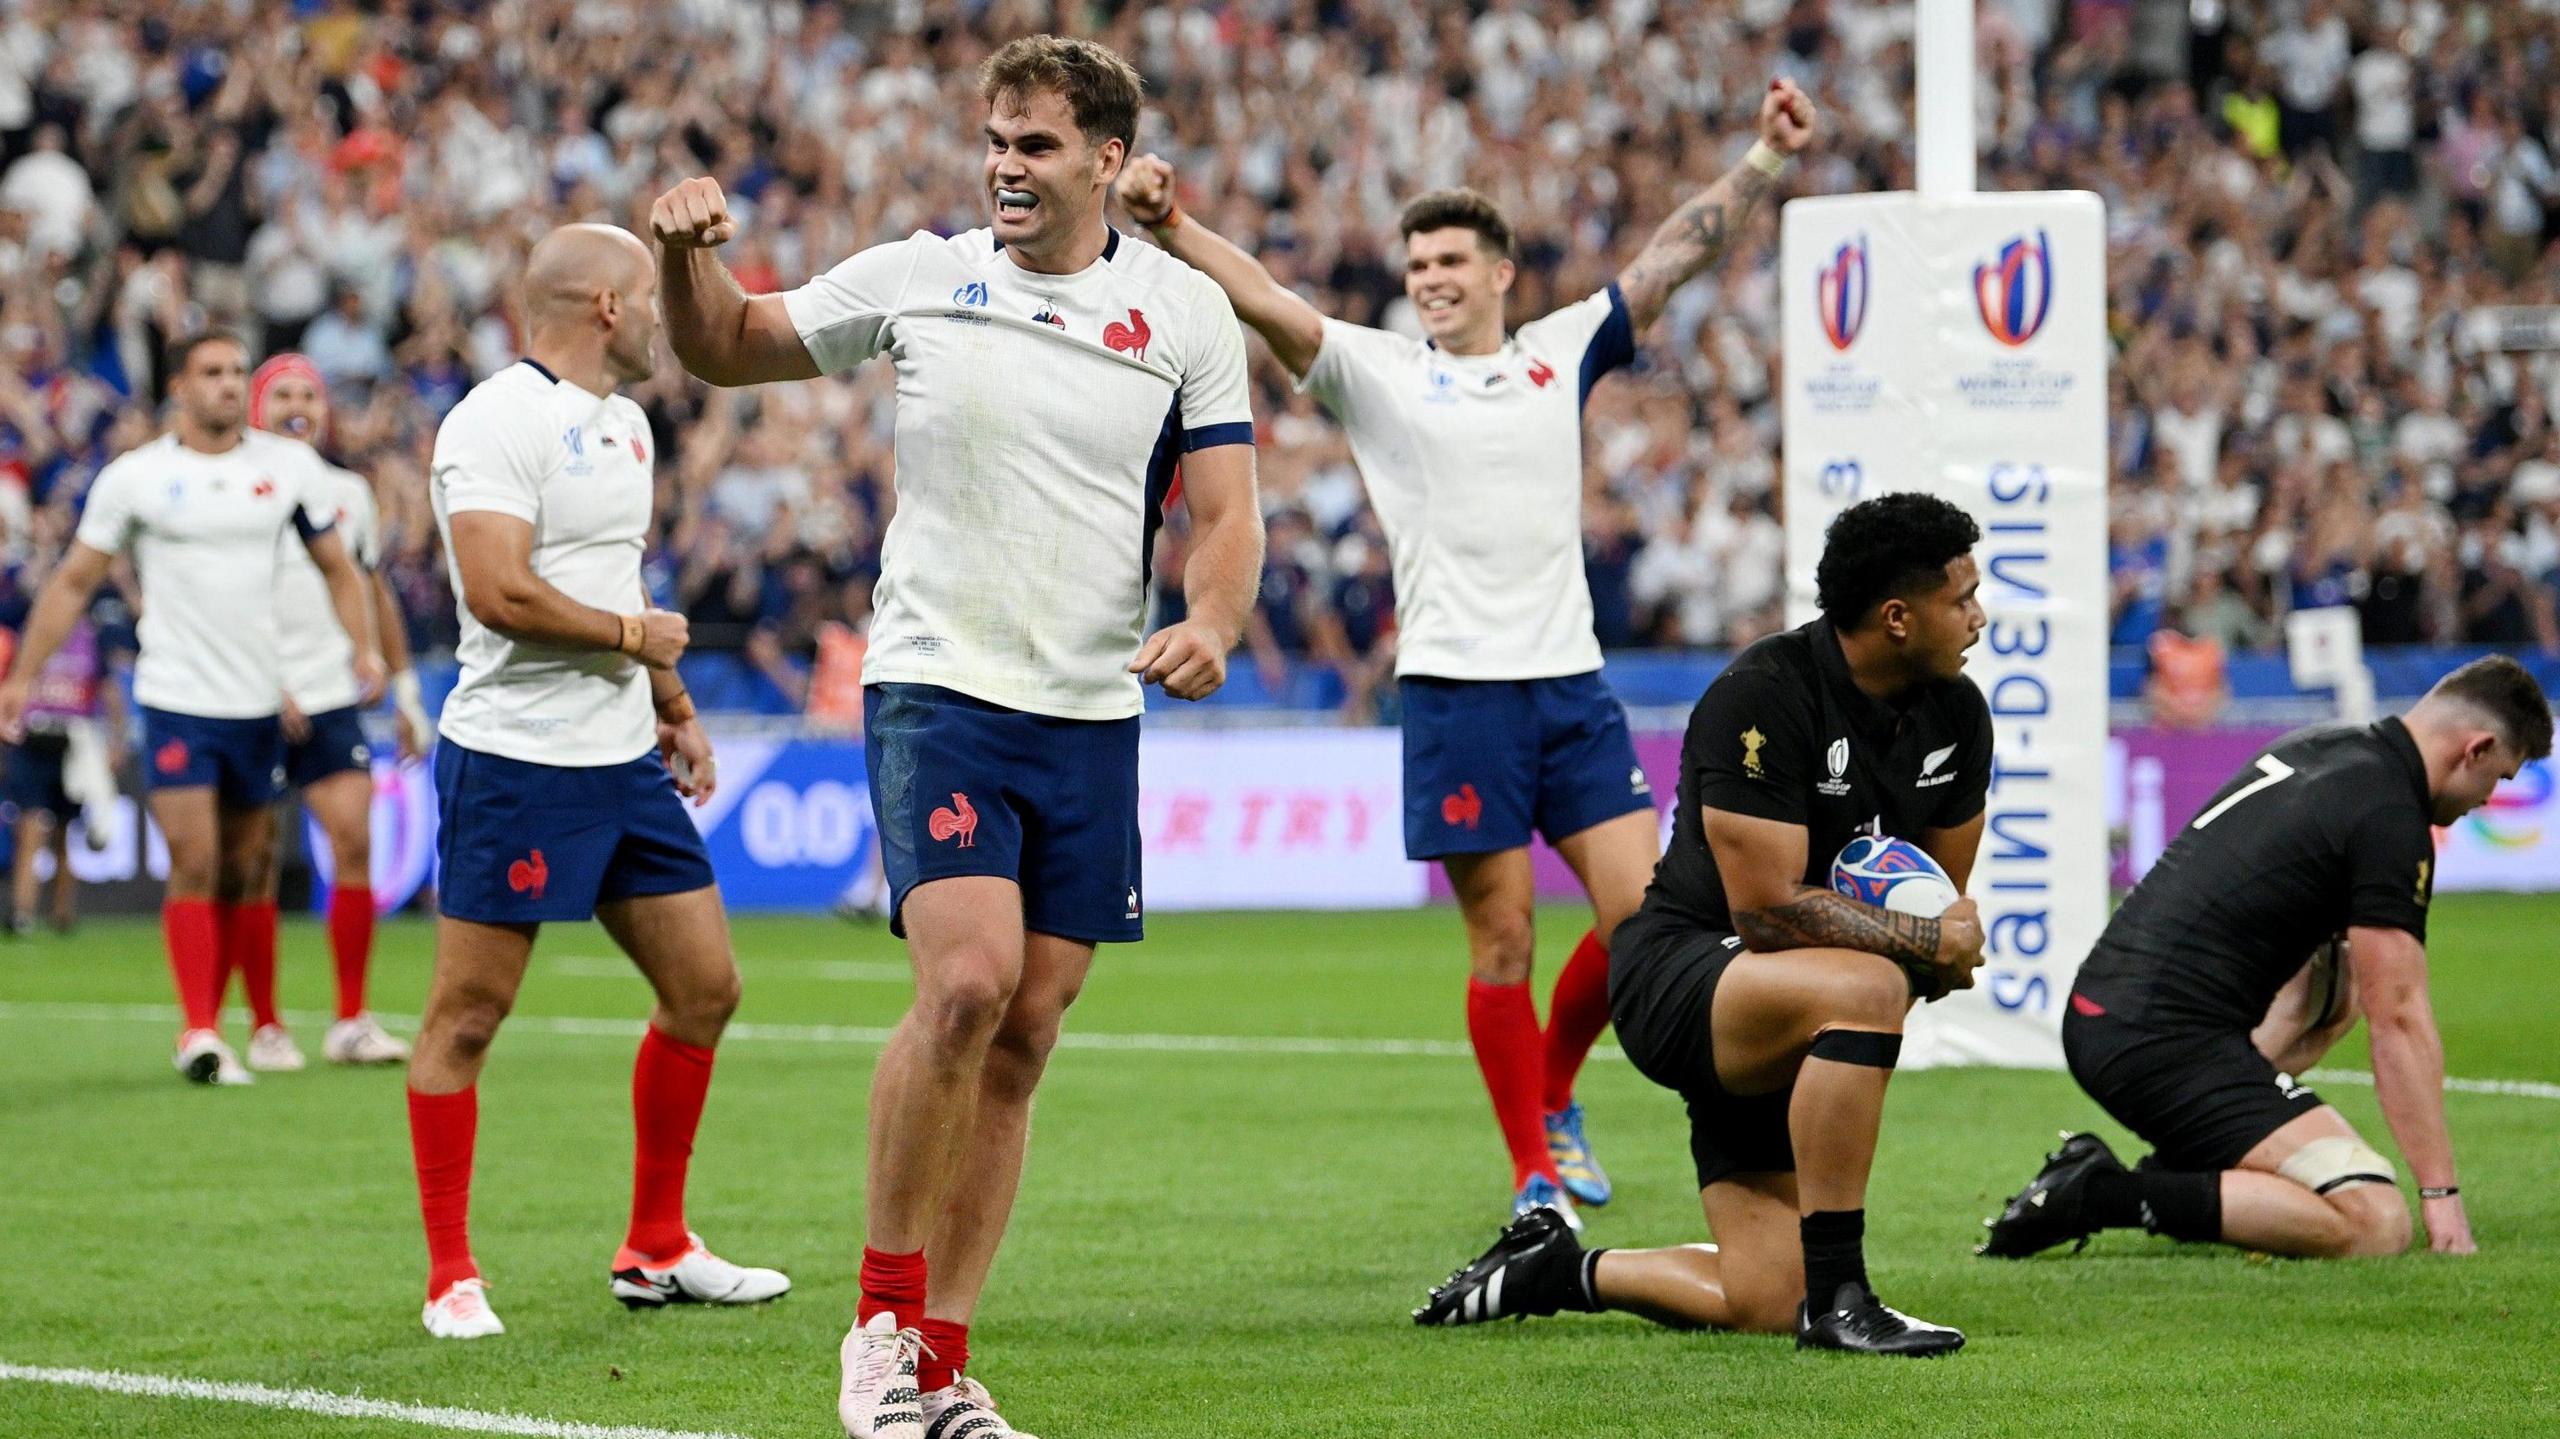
(571, 264)
(595, 285)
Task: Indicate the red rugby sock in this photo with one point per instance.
(195, 959)
(1502, 1022)
(946, 1344)
(351, 945)
(668, 1084)
(249, 941)
(443, 1129)
(892, 1283)
(1575, 1017)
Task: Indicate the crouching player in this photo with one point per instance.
(557, 786)
(2197, 1010)
(1771, 1004)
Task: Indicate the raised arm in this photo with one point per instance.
(1774, 910)
(57, 608)
(1697, 234)
(2408, 1072)
(1292, 328)
(720, 333)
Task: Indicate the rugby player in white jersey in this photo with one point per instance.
(559, 790)
(1051, 375)
(203, 511)
(1470, 442)
(325, 753)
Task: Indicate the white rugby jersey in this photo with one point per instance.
(318, 658)
(1040, 418)
(204, 532)
(1474, 466)
(575, 465)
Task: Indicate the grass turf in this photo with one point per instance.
(1208, 1243)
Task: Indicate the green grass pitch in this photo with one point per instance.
(1210, 1243)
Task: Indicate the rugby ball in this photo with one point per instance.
(1892, 874)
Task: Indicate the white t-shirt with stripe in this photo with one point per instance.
(1474, 467)
(1040, 420)
(204, 532)
(574, 465)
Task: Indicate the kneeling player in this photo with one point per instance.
(552, 778)
(1771, 1004)
(2197, 1009)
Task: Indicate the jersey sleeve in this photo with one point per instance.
(493, 458)
(315, 496)
(844, 316)
(1351, 361)
(1592, 336)
(363, 528)
(1749, 749)
(1965, 795)
(2391, 853)
(107, 514)
(1216, 409)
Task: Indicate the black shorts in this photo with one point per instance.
(1662, 989)
(2201, 1098)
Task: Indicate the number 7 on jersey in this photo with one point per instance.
(2271, 770)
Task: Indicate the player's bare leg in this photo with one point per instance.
(188, 822)
(1749, 1279)
(245, 909)
(1497, 902)
(966, 941)
(1614, 859)
(65, 883)
(989, 1174)
(31, 832)
(1829, 1021)
(680, 942)
(479, 968)
(2265, 1209)
(342, 803)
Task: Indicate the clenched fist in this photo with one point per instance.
(1786, 117)
(1146, 187)
(694, 215)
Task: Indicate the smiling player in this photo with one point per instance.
(1050, 377)
(1470, 442)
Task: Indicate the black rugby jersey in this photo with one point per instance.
(1786, 734)
(2329, 827)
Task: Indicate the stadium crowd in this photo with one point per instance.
(2332, 225)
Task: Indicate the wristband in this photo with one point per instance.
(633, 632)
(1171, 217)
(406, 698)
(1766, 159)
(2439, 1191)
(676, 708)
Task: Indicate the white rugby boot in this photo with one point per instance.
(462, 1312)
(877, 1398)
(697, 1276)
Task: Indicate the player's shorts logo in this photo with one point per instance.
(1130, 339)
(1466, 807)
(1840, 293)
(2014, 292)
(960, 822)
(2083, 1004)
(528, 875)
(171, 757)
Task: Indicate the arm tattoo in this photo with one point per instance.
(1692, 239)
(1817, 918)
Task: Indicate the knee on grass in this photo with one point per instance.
(2373, 1221)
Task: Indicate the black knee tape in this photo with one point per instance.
(1873, 1048)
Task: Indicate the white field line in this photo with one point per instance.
(1274, 1044)
(596, 966)
(337, 1406)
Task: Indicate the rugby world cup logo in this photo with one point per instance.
(1840, 293)
(2014, 290)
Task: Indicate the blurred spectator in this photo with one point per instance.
(2310, 212)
